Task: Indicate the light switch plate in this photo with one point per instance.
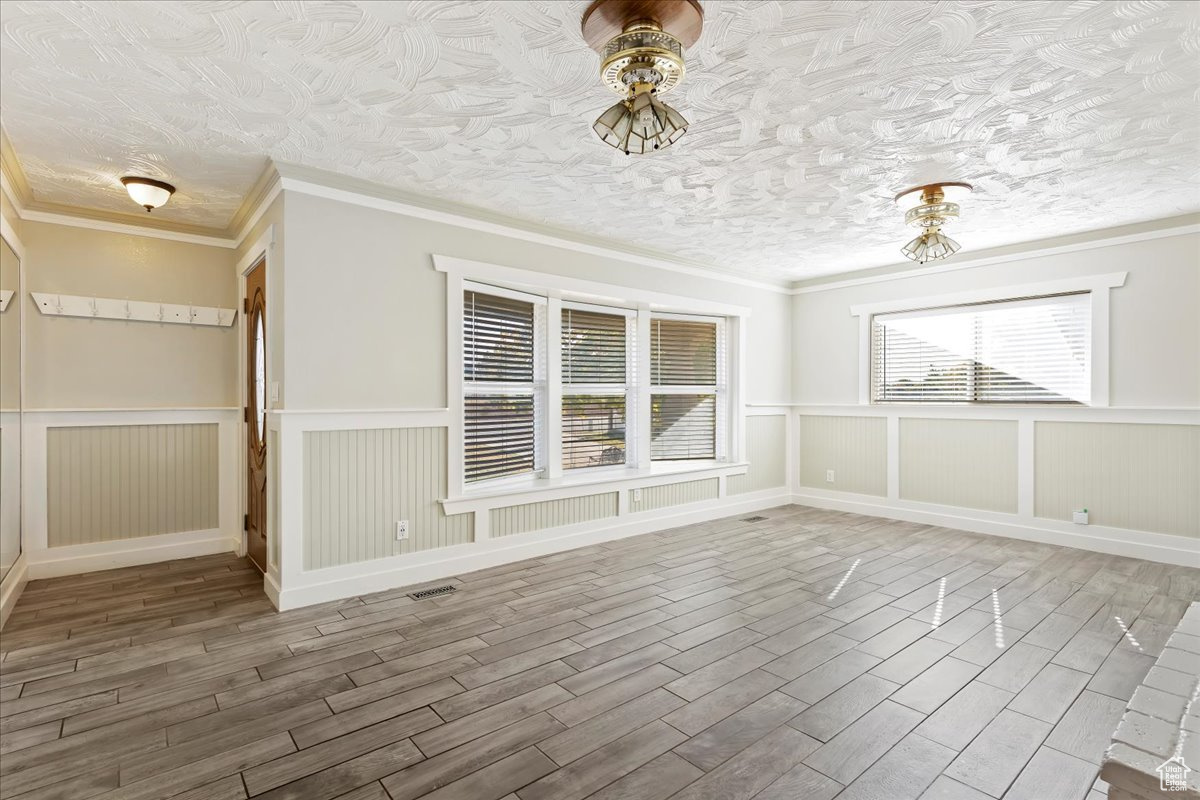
(274, 391)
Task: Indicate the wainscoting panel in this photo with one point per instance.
(111, 482)
(552, 513)
(766, 450)
(855, 448)
(675, 494)
(1137, 476)
(358, 483)
(971, 463)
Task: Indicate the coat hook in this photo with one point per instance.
(128, 312)
(191, 313)
(95, 308)
(58, 303)
(160, 312)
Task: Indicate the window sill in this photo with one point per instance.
(539, 489)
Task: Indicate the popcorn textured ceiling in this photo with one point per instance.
(806, 116)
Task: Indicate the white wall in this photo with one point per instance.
(996, 468)
(1155, 335)
(365, 309)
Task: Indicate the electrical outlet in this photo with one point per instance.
(829, 476)
(401, 530)
(637, 495)
(1080, 517)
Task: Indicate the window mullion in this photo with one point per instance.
(552, 429)
(642, 399)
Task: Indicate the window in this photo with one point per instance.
(1033, 350)
(503, 385)
(604, 388)
(685, 391)
(596, 372)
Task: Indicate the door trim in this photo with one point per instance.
(262, 250)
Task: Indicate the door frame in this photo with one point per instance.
(261, 250)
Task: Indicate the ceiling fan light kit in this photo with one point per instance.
(641, 45)
(929, 207)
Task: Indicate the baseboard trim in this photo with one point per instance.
(81, 558)
(366, 577)
(1161, 547)
(271, 589)
(13, 585)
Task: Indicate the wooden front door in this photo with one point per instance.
(256, 415)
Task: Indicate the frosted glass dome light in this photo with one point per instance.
(147, 192)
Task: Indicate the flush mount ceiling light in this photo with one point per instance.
(147, 192)
(929, 207)
(641, 49)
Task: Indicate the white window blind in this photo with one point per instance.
(1034, 350)
(686, 391)
(595, 369)
(500, 386)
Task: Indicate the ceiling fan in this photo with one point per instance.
(641, 44)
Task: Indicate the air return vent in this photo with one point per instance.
(436, 591)
(753, 519)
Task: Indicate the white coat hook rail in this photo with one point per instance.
(66, 305)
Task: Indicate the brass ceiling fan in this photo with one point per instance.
(641, 46)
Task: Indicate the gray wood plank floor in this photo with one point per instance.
(813, 654)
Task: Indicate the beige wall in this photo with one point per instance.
(10, 330)
(129, 481)
(366, 310)
(766, 450)
(970, 463)
(1143, 477)
(85, 363)
(855, 448)
(1155, 335)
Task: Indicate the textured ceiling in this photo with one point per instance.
(806, 116)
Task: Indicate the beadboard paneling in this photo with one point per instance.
(358, 483)
(766, 450)
(855, 448)
(1137, 476)
(552, 513)
(674, 494)
(126, 481)
(971, 463)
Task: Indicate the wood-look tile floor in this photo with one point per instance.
(806, 656)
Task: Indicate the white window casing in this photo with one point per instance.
(582, 444)
(1021, 336)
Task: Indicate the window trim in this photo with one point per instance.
(555, 290)
(1097, 286)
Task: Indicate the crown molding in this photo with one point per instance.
(257, 201)
(1092, 240)
(333, 186)
(10, 167)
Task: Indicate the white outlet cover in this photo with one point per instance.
(1079, 517)
(401, 530)
(829, 476)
